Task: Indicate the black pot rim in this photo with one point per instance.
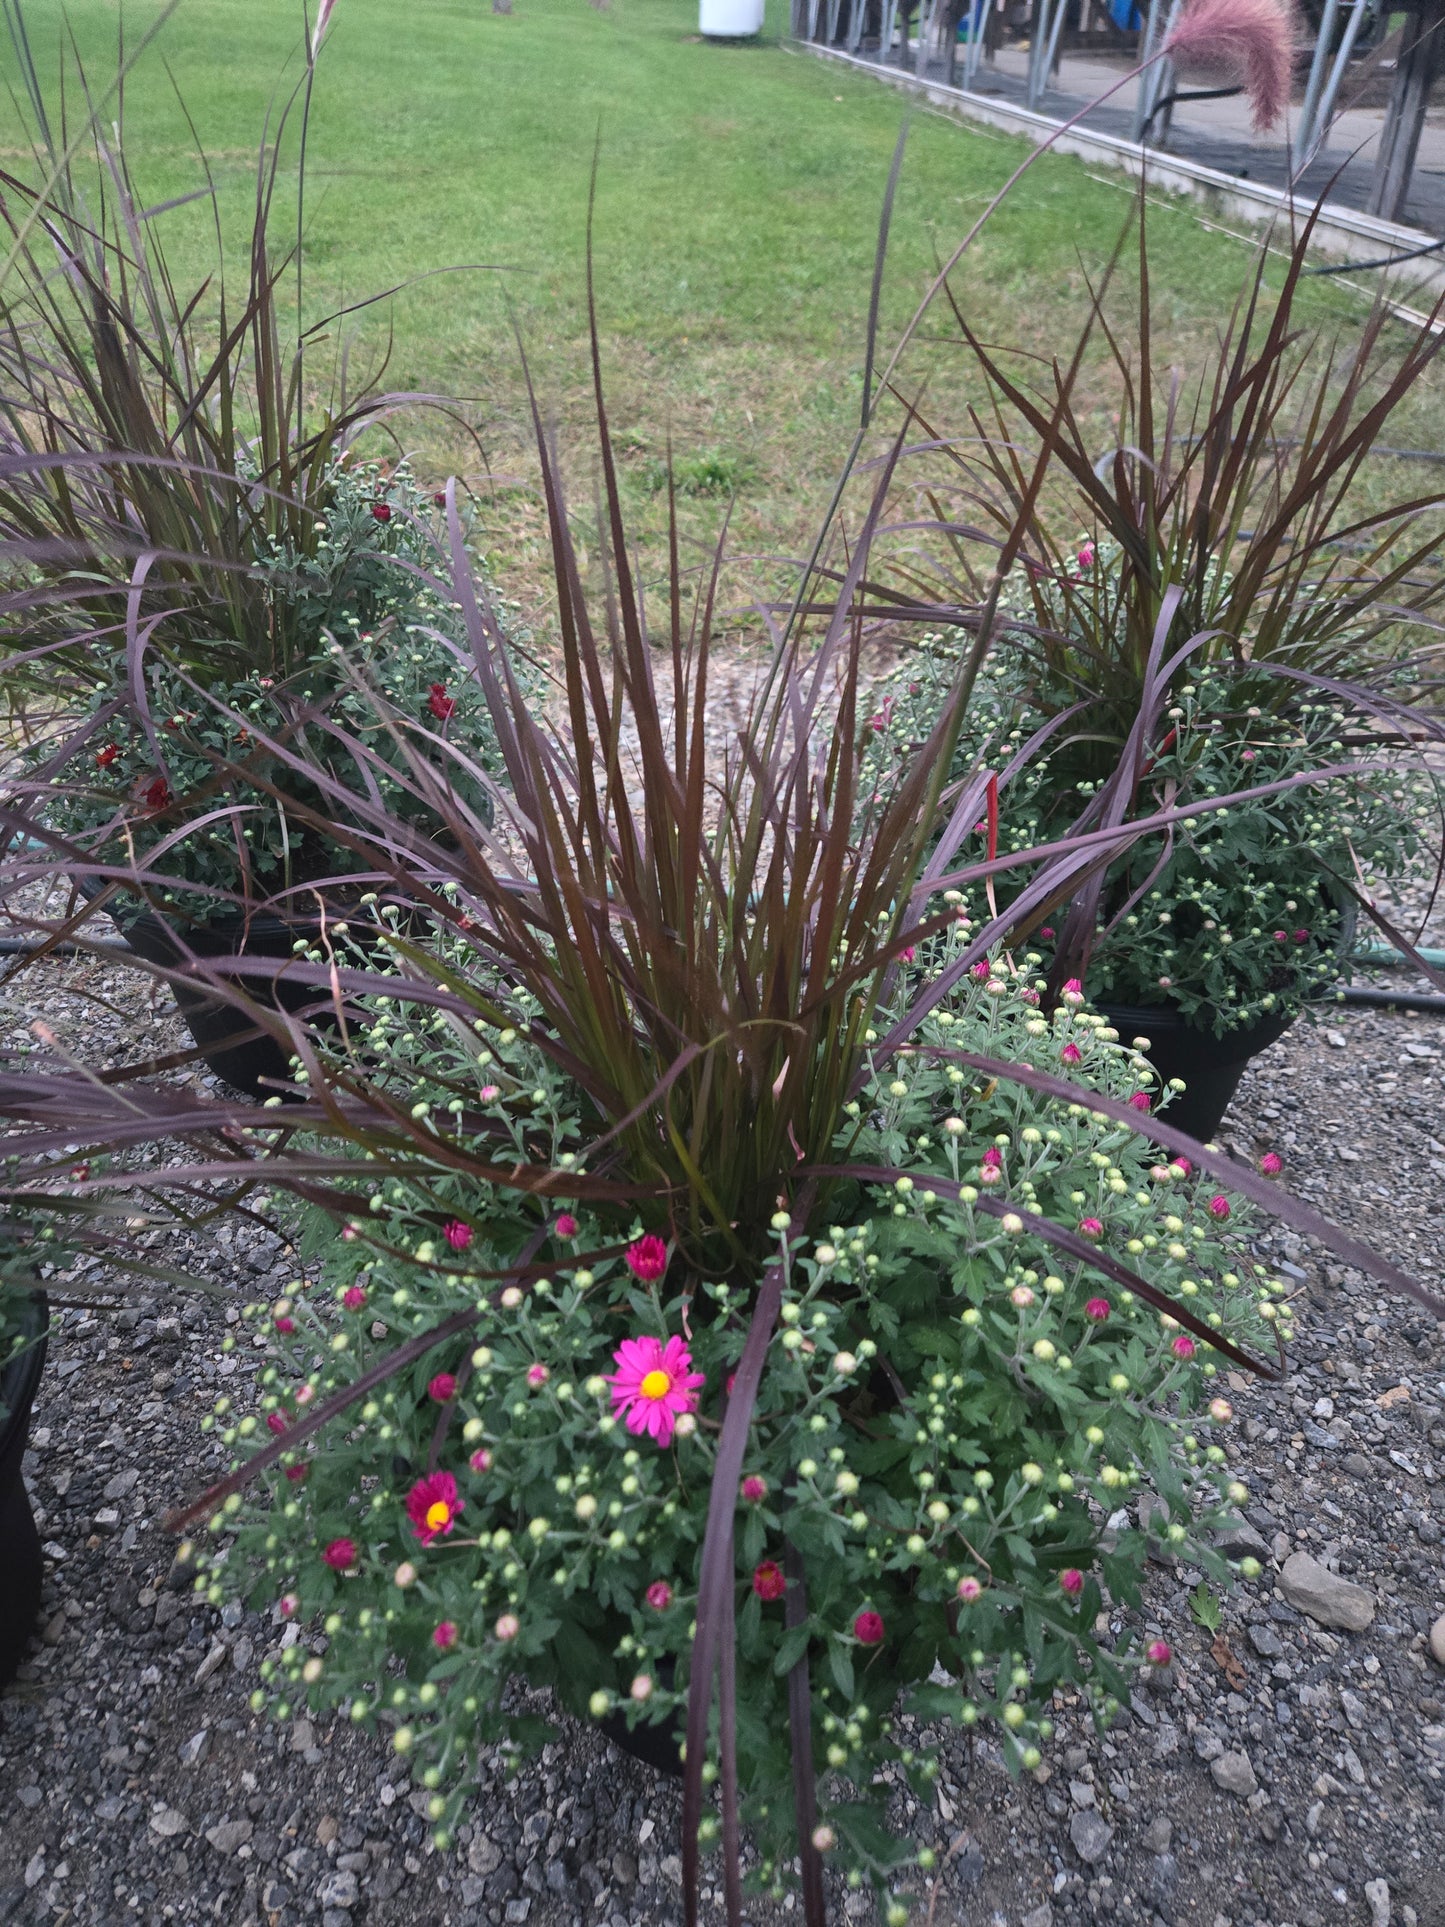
(20, 1377)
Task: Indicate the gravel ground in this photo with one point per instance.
(1288, 1773)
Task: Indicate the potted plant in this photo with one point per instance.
(1233, 618)
(961, 1394)
(210, 575)
(24, 1321)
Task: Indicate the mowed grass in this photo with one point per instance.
(737, 192)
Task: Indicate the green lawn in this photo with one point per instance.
(737, 199)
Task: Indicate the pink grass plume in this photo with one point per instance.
(1248, 42)
(323, 17)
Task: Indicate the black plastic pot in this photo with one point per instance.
(658, 1743)
(255, 1065)
(20, 1563)
(1210, 1066)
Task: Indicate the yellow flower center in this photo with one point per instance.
(438, 1514)
(656, 1385)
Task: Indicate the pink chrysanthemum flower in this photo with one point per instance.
(1247, 42)
(432, 1506)
(1073, 991)
(1091, 1228)
(445, 1636)
(1271, 1164)
(277, 1422)
(1141, 1101)
(1097, 1309)
(754, 1489)
(969, 1589)
(289, 1605)
(353, 1298)
(457, 1234)
(1182, 1346)
(1071, 1054)
(907, 954)
(659, 1595)
(285, 1325)
(1158, 1652)
(868, 1629)
(442, 1387)
(1071, 1581)
(481, 1460)
(1086, 555)
(565, 1225)
(1219, 1206)
(341, 1555)
(768, 1580)
(647, 1258)
(1181, 1165)
(488, 1092)
(654, 1384)
(537, 1375)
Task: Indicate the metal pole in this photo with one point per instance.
(1143, 99)
(855, 24)
(887, 27)
(1060, 9)
(1414, 77)
(978, 28)
(1313, 138)
(1038, 40)
(926, 12)
(1318, 61)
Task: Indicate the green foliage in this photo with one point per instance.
(1229, 917)
(947, 1400)
(1205, 1608)
(384, 660)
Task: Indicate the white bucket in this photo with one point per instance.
(729, 19)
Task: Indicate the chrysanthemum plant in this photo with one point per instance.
(198, 561)
(750, 1297)
(1238, 609)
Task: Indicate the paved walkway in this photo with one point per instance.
(1217, 133)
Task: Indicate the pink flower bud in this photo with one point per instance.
(1071, 1581)
(445, 1636)
(754, 1489)
(507, 1627)
(1182, 1346)
(1091, 1228)
(659, 1595)
(481, 1460)
(1071, 1054)
(565, 1225)
(443, 1387)
(1219, 1206)
(537, 1375)
(1097, 1309)
(1158, 1652)
(1140, 1101)
(969, 1589)
(868, 1629)
(353, 1298)
(457, 1234)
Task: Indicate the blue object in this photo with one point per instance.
(1125, 15)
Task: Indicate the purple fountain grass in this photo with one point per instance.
(1248, 42)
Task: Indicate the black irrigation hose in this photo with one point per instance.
(1385, 261)
(1185, 93)
(1364, 996)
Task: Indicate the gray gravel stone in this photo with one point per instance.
(1437, 1639)
(1327, 1598)
(1091, 1834)
(1232, 1773)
